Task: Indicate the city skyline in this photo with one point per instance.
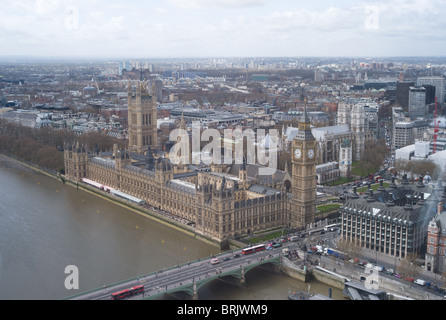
(222, 28)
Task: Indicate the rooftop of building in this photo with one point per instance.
(403, 203)
(320, 132)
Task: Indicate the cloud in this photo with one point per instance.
(212, 4)
(247, 27)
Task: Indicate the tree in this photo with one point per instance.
(44, 146)
(407, 267)
(350, 248)
(417, 168)
(372, 157)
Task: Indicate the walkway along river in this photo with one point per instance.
(47, 225)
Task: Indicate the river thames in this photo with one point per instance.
(46, 225)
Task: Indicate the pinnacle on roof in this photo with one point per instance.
(306, 118)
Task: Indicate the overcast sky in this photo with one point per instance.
(222, 28)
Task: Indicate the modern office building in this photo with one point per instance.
(391, 221)
(402, 93)
(437, 82)
(417, 102)
(430, 93)
(407, 132)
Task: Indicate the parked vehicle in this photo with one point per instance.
(379, 268)
(420, 282)
(389, 271)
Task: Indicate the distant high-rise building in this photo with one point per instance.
(402, 93)
(430, 93)
(437, 82)
(417, 102)
(318, 75)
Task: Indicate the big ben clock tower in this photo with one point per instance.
(303, 204)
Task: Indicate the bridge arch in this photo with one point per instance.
(235, 276)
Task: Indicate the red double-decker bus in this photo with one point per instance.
(253, 249)
(136, 290)
(120, 295)
(123, 294)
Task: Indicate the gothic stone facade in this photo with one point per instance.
(219, 205)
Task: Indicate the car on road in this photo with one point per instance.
(420, 282)
(379, 268)
(389, 271)
(397, 275)
(226, 258)
(236, 255)
(214, 261)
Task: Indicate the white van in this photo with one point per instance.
(420, 282)
(378, 268)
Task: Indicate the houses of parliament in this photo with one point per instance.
(220, 201)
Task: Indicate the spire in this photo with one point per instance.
(154, 89)
(223, 183)
(306, 118)
(304, 132)
(244, 164)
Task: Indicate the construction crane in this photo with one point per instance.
(96, 84)
(436, 123)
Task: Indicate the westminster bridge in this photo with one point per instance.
(184, 281)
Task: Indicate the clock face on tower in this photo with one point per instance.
(310, 154)
(297, 153)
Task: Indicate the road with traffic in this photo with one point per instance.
(166, 281)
